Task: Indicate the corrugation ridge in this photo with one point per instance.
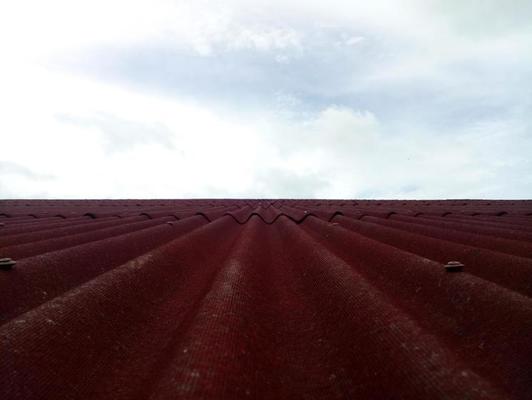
(504, 219)
(521, 221)
(28, 237)
(194, 385)
(491, 222)
(26, 217)
(521, 217)
(295, 212)
(495, 232)
(129, 293)
(41, 278)
(374, 213)
(369, 327)
(486, 264)
(503, 225)
(44, 246)
(19, 230)
(508, 246)
(496, 222)
(241, 214)
(201, 214)
(212, 215)
(248, 217)
(40, 226)
(180, 212)
(331, 311)
(320, 212)
(28, 221)
(269, 213)
(98, 215)
(485, 323)
(215, 333)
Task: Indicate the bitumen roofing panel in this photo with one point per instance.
(265, 299)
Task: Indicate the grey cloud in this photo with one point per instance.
(316, 72)
(446, 91)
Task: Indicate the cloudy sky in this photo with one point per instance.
(328, 99)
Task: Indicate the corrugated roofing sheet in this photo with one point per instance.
(230, 299)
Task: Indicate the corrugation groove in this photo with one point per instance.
(484, 263)
(473, 228)
(262, 299)
(514, 247)
(473, 315)
(373, 337)
(32, 235)
(43, 277)
(41, 225)
(64, 241)
(492, 222)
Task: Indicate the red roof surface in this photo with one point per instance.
(230, 299)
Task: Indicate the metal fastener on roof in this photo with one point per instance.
(454, 266)
(6, 264)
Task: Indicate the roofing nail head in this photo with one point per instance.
(454, 266)
(7, 264)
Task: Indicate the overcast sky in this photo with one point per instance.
(328, 99)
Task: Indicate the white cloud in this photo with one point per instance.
(118, 134)
(349, 150)
(239, 98)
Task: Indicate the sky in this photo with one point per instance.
(411, 99)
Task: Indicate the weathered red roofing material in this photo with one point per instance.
(229, 299)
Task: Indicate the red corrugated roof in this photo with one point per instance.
(229, 299)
